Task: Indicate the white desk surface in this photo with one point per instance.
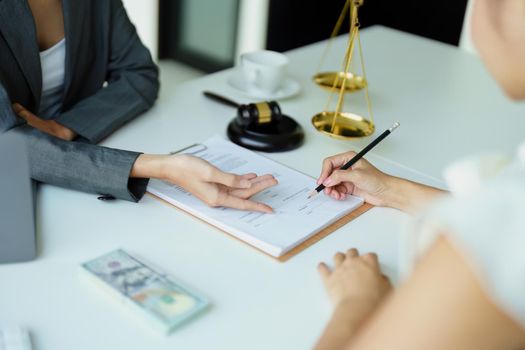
(448, 106)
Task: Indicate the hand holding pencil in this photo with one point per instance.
(360, 178)
(363, 180)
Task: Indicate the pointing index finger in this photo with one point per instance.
(230, 180)
(245, 204)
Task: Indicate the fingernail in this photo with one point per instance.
(327, 182)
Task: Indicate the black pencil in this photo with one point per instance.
(358, 156)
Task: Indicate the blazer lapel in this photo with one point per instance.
(19, 31)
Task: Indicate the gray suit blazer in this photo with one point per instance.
(102, 46)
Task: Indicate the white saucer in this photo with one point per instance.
(289, 88)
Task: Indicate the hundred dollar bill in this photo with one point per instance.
(162, 301)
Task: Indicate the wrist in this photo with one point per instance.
(341, 328)
(395, 194)
(150, 166)
(410, 196)
(355, 305)
(352, 314)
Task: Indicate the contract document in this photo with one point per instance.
(295, 219)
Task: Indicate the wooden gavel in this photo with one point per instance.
(253, 113)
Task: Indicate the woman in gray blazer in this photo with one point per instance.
(74, 71)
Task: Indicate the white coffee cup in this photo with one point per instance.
(263, 70)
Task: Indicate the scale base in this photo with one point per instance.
(281, 136)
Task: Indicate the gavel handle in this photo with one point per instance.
(220, 99)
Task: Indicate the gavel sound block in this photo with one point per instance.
(262, 126)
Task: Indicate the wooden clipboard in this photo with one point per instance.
(294, 251)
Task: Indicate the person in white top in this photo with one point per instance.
(467, 286)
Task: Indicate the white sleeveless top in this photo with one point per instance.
(52, 61)
(485, 219)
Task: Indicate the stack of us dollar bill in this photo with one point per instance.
(161, 301)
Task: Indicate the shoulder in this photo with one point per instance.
(488, 199)
(484, 218)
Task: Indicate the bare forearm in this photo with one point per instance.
(149, 166)
(410, 196)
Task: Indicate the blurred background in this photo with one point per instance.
(194, 37)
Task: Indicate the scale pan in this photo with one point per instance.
(353, 82)
(347, 126)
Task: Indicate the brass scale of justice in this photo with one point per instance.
(339, 124)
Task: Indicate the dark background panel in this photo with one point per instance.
(168, 27)
(171, 36)
(295, 23)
